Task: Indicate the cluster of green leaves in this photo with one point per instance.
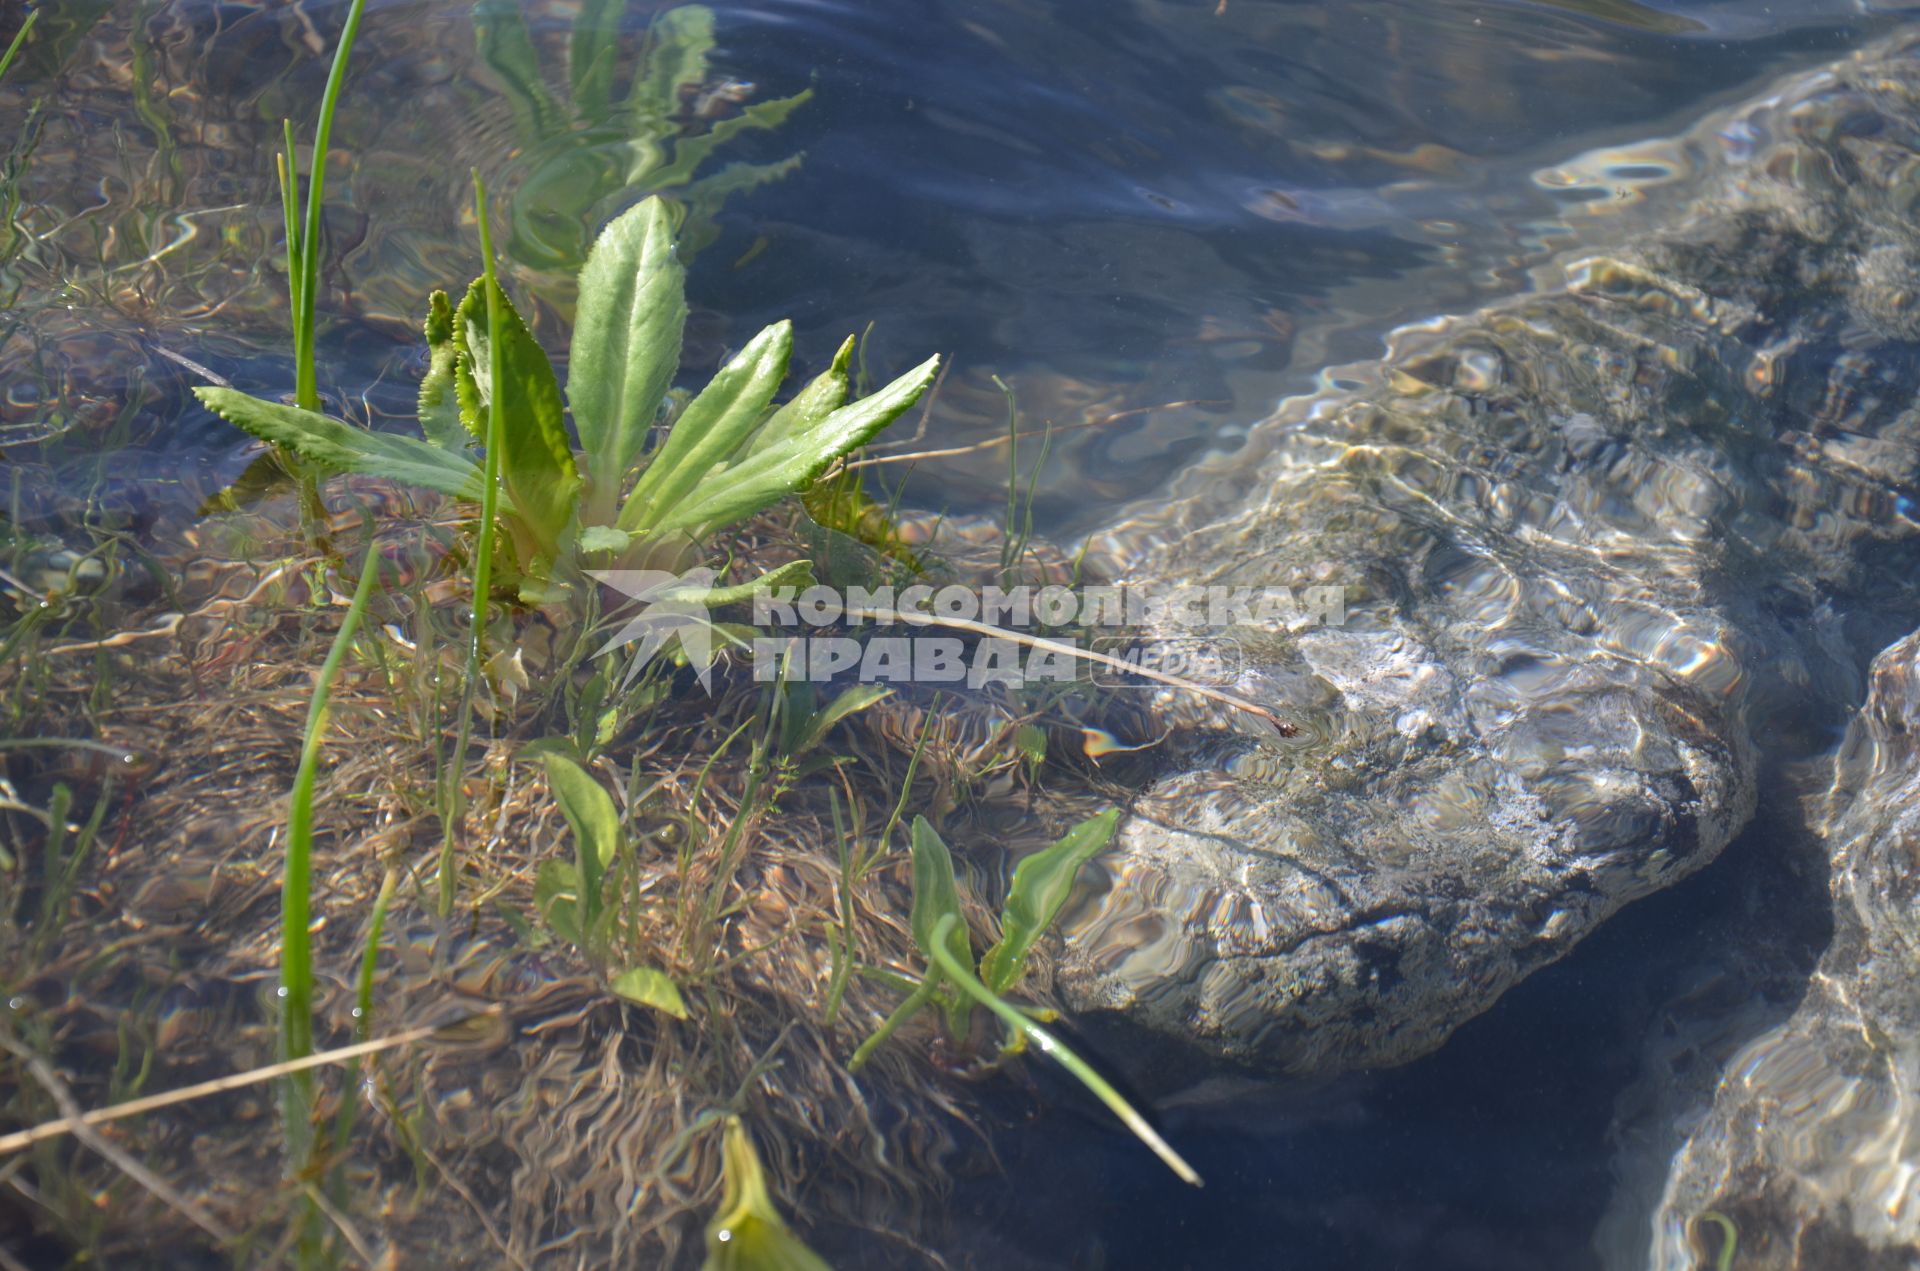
(594, 147)
(729, 454)
(1042, 884)
(571, 897)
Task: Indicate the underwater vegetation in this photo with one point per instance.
(528, 484)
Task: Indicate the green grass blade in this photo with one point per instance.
(344, 448)
(288, 163)
(19, 39)
(307, 391)
(296, 889)
(1041, 885)
(1052, 1046)
(714, 425)
(482, 564)
(626, 347)
(792, 464)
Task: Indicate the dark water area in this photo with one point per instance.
(1153, 220)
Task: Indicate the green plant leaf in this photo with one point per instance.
(955, 970)
(344, 448)
(851, 702)
(1041, 885)
(714, 425)
(748, 1233)
(792, 464)
(648, 987)
(690, 152)
(935, 896)
(536, 461)
(594, 820)
(809, 407)
(501, 36)
(592, 55)
(556, 897)
(441, 419)
(626, 346)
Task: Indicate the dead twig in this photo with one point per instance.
(75, 1122)
(121, 1160)
(978, 446)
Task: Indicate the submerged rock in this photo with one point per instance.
(1594, 542)
(1811, 1149)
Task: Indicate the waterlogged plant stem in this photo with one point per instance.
(482, 551)
(1052, 1046)
(920, 996)
(306, 383)
(296, 889)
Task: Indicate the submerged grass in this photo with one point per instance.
(19, 39)
(757, 958)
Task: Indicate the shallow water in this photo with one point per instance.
(1154, 218)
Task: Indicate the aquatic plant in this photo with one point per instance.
(748, 1233)
(585, 151)
(303, 241)
(19, 38)
(1041, 886)
(296, 917)
(728, 455)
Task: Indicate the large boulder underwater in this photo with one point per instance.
(1613, 550)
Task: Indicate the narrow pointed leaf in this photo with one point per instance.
(626, 346)
(712, 427)
(536, 460)
(955, 969)
(792, 464)
(649, 987)
(1041, 885)
(810, 406)
(344, 448)
(440, 418)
